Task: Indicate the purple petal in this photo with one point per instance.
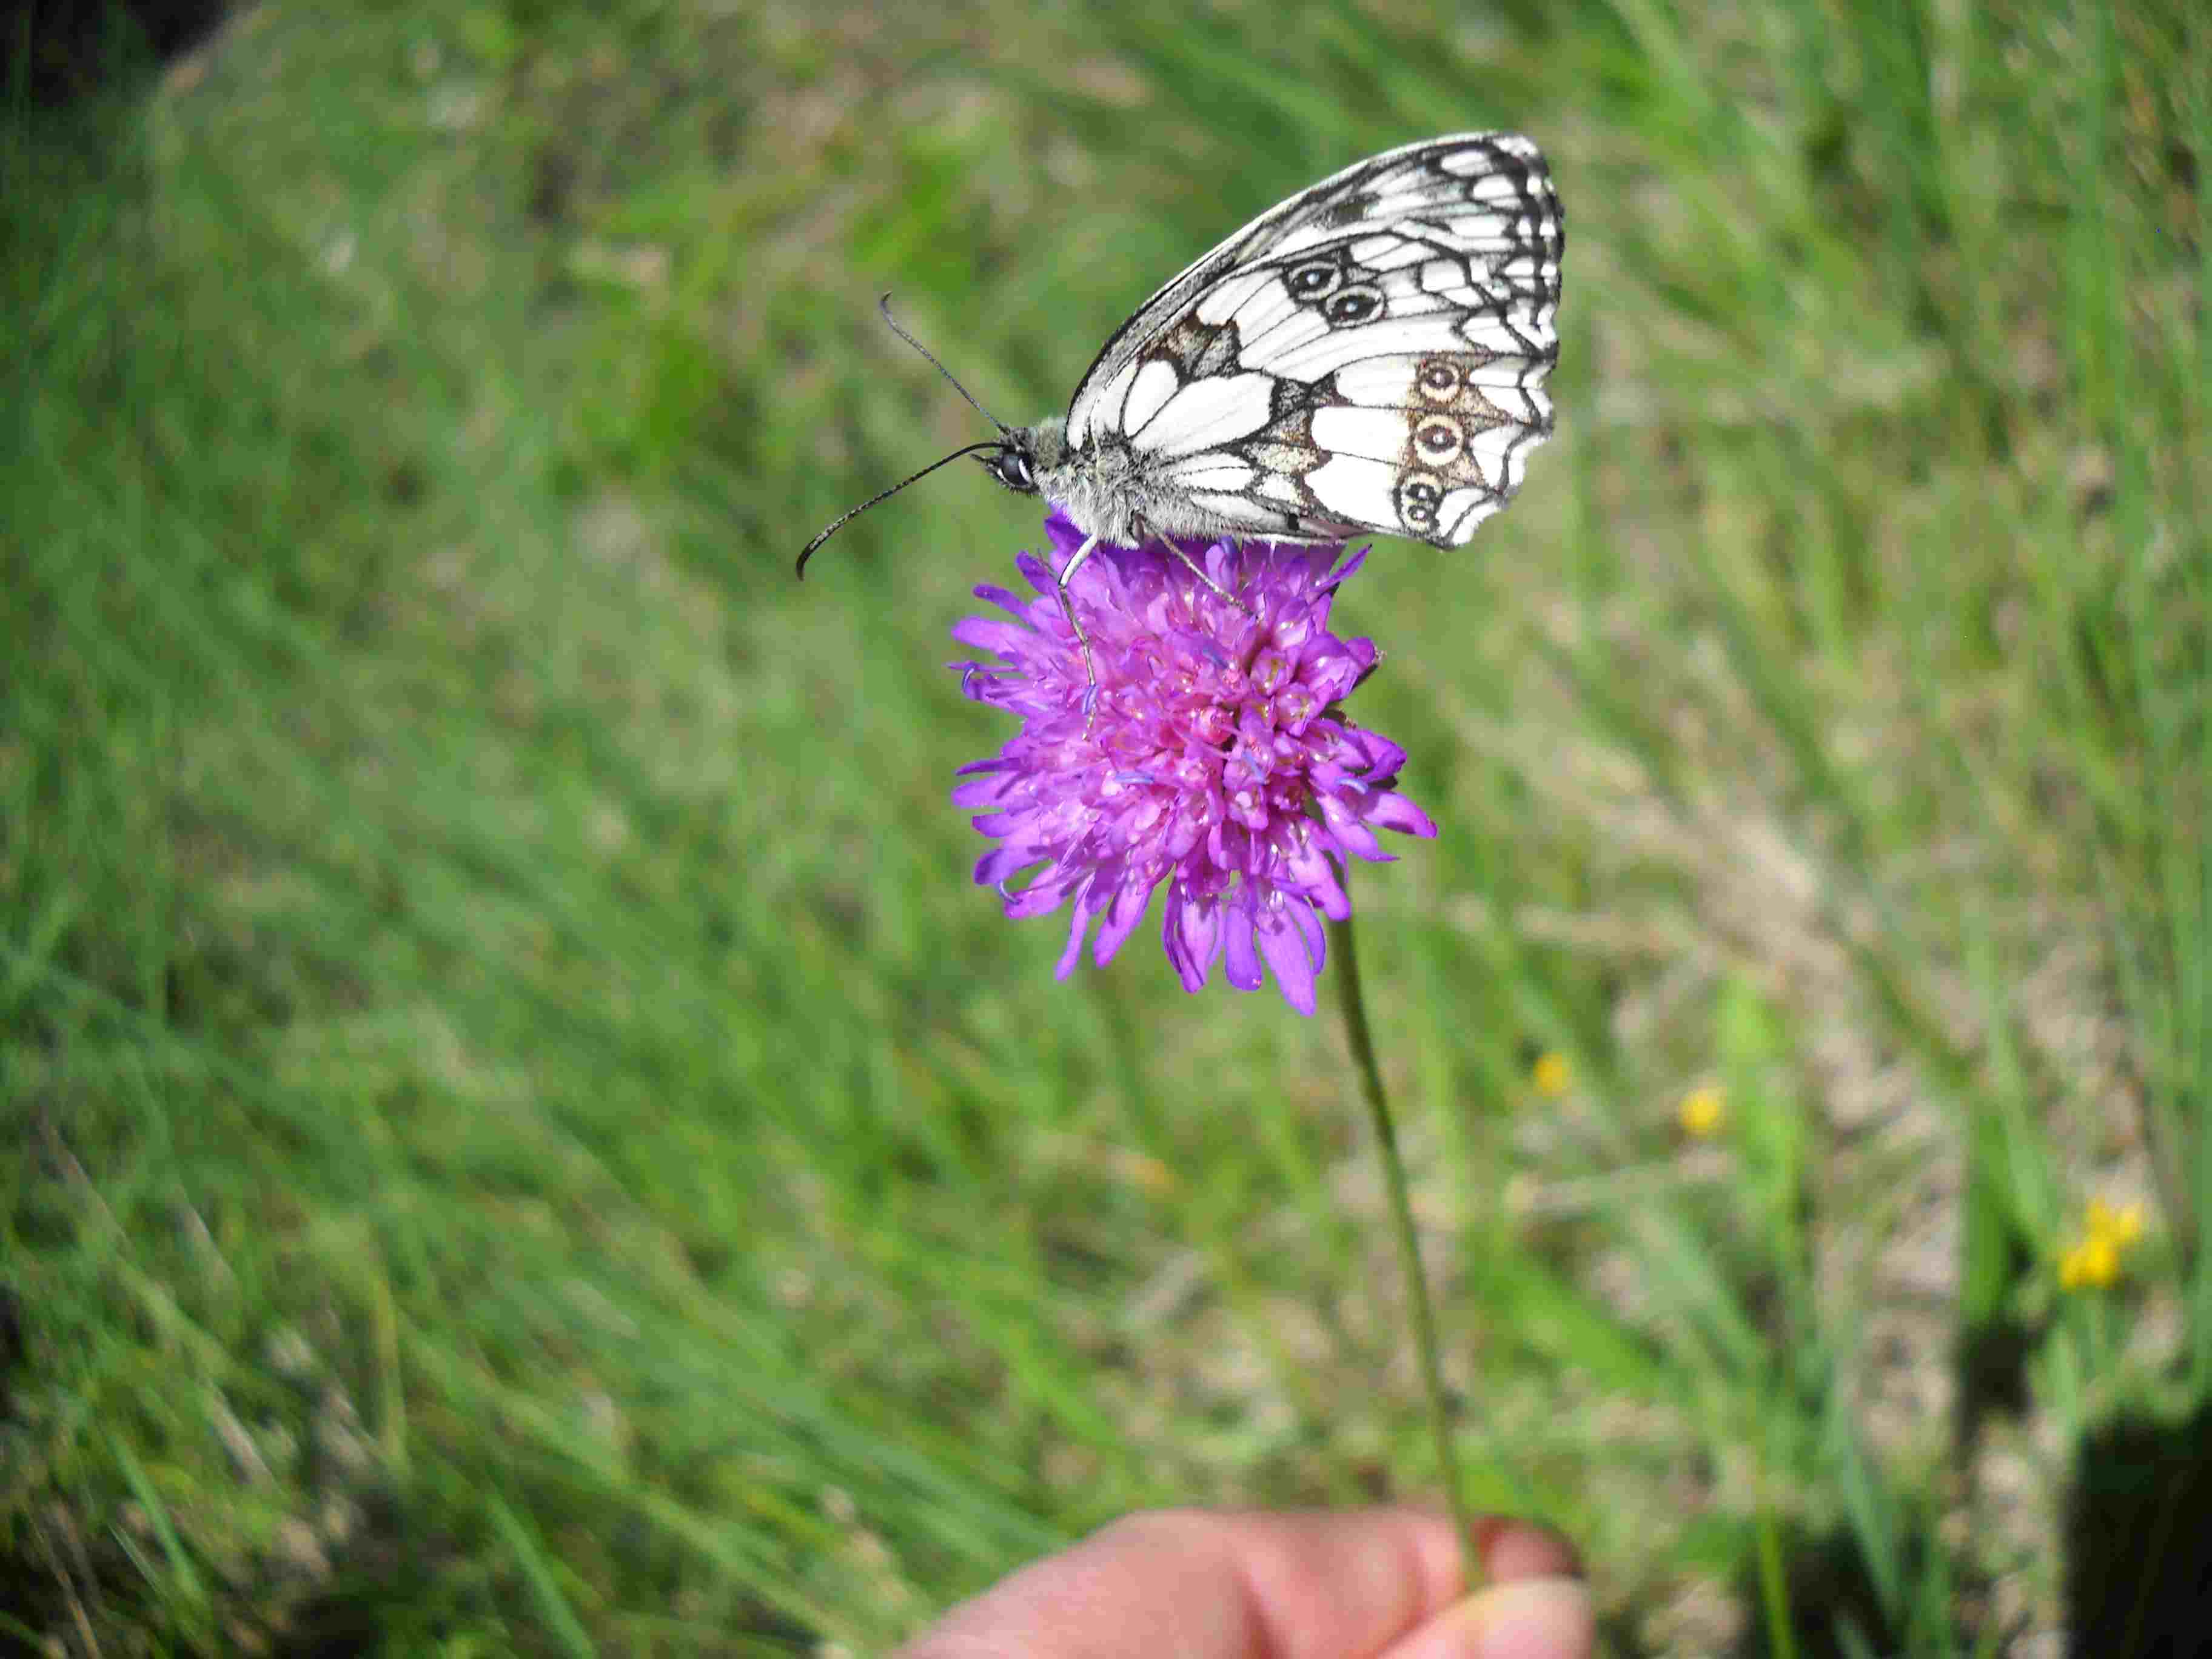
(1190, 929)
(981, 792)
(1240, 962)
(1289, 951)
(1128, 909)
(1042, 897)
(1084, 909)
(1037, 575)
(1393, 812)
(1381, 757)
(998, 865)
(1007, 600)
(1317, 880)
(1353, 835)
(1000, 639)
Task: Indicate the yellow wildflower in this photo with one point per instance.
(1702, 1112)
(2122, 1226)
(2094, 1262)
(1551, 1074)
(2107, 1233)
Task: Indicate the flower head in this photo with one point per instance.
(1215, 761)
(2107, 1234)
(2094, 1262)
(2123, 1225)
(1553, 1074)
(1703, 1111)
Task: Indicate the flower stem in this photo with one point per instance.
(1362, 1040)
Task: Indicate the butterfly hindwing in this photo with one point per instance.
(1370, 354)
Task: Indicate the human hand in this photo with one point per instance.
(1380, 1584)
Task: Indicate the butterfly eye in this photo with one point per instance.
(1012, 470)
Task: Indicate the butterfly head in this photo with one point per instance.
(1013, 464)
(1026, 456)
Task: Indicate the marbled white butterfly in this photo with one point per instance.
(1368, 355)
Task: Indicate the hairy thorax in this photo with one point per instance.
(1107, 490)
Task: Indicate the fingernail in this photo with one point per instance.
(1530, 1618)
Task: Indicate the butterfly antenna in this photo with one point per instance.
(838, 523)
(883, 305)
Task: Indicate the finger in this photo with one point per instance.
(1525, 1618)
(1521, 1549)
(1217, 1585)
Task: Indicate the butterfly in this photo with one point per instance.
(1368, 355)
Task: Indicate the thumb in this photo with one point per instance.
(1526, 1619)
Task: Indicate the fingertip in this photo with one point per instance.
(1548, 1618)
(1513, 1550)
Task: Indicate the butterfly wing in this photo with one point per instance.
(1370, 354)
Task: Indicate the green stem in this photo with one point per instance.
(1354, 1007)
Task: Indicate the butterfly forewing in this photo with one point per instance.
(1370, 354)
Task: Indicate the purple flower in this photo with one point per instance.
(1217, 762)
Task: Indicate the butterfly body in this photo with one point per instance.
(1109, 488)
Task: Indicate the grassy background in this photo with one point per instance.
(520, 1135)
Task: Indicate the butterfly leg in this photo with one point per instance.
(1082, 640)
(1198, 570)
(1206, 582)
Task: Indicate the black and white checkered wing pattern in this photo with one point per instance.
(1369, 354)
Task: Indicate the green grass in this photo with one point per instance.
(520, 1135)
